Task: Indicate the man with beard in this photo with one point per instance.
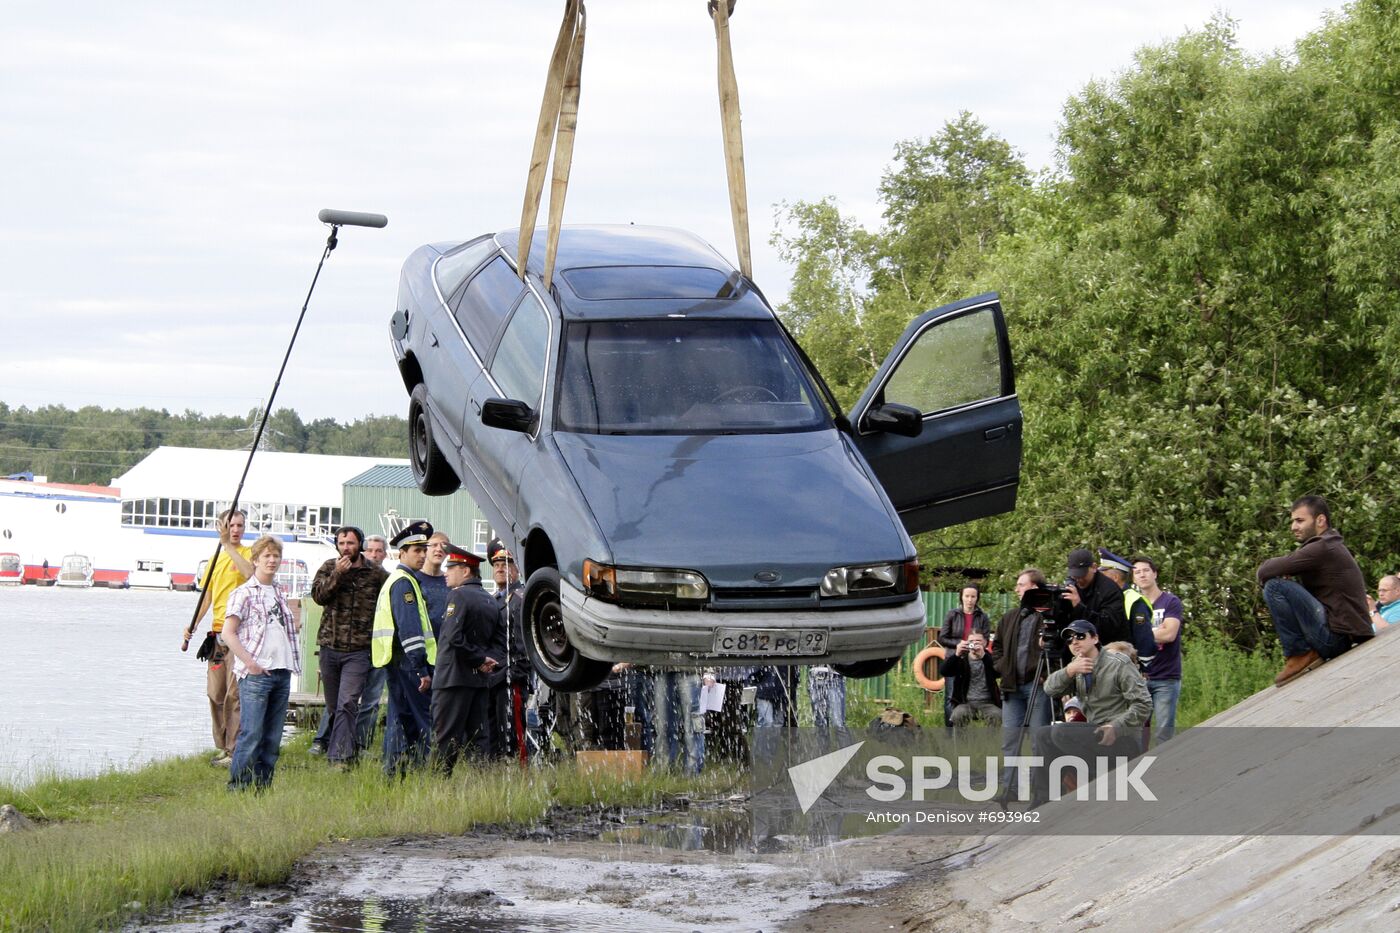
(347, 587)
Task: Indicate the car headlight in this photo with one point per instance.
(644, 587)
(871, 580)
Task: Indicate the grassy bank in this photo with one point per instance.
(171, 828)
(1215, 675)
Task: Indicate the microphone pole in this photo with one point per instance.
(336, 219)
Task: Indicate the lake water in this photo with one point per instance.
(95, 679)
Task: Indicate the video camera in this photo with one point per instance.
(1049, 600)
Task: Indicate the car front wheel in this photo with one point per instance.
(866, 668)
(432, 472)
(553, 656)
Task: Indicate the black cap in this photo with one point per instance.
(417, 532)
(1080, 560)
(1083, 626)
(460, 555)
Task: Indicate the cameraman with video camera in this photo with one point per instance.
(1016, 652)
(1096, 599)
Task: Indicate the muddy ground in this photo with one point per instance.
(708, 866)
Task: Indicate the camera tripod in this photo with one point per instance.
(1043, 666)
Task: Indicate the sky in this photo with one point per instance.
(164, 163)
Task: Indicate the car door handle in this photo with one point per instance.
(994, 434)
(433, 340)
(476, 408)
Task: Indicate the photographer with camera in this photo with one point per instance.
(1116, 704)
(958, 626)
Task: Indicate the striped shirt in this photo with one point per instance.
(261, 608)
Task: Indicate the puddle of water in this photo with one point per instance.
(388, 893)
(752, 828)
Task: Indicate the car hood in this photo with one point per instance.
(730, 506)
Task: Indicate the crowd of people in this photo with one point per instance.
(1090, 668)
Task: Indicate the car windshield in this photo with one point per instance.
(683, 377)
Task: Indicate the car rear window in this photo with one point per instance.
(595, 283)
(489, 296)
(683, 377)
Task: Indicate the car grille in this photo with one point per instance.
(749, 598)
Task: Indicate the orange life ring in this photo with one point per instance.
(923, 657)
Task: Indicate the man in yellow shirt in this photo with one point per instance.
(229, 570)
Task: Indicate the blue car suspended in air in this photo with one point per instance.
(682, 485)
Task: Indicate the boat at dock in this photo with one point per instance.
(11, 569)
(76, 570)
(149, 575)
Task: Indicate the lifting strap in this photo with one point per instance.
(733, 135)
(557, 123)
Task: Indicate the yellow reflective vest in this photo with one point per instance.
(381, 645)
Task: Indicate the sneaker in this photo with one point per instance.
(1297, 664)
(317, 748)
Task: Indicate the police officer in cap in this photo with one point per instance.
(403, 642)
(1135, 606)
(511, 685)
(1095, 598)
(465, 664)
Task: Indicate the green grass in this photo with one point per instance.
(172, 828)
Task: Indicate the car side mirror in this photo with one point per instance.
(509, 414)
(894, 418)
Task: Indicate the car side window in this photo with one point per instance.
(518, 366)
(952, 363)
(453, 268)
(486, 301)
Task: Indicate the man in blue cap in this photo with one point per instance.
(403, 641)
(1116, 704)
(1135, 606)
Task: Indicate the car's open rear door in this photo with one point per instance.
(953, 365)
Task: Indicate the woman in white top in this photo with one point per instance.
(261, 633)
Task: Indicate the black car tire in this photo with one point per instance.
(431, 471)
(866, 668)
(554, 658)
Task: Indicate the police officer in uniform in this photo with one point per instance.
(462, 678)
(1135, 606)
(511, 683)
(403, 642)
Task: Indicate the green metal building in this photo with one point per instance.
(383, 498)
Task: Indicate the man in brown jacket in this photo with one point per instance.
(347, 588)
(1321, 611)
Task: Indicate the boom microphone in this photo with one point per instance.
(351, 218)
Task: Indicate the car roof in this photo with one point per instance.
(649, 250)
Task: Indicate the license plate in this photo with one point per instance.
(777, 642)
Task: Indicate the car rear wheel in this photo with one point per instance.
(553, 656)
(431, 471)
(866, 668)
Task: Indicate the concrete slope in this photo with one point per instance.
(1249, 881)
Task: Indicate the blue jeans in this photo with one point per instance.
(641, 696)
(408, 730)
(369, 706)
(680, 725)
(1301, 621)
(827, 692)
(1013, 715)
(1165, 694)
(262, 701)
